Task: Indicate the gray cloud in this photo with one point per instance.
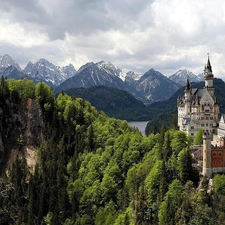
(132, 34)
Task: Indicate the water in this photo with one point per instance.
(139, 124)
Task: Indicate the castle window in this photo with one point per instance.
(202, 125)
(207, 118)
(207, 110)
(211, 118)
(192, 134)
(214, 162)
(211, 124)
(214, 154)
(192, 127)
(220, 153)
(207, 124)
(202, 118)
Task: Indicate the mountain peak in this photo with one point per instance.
(6, 61)
(181, 76)
(43, 70)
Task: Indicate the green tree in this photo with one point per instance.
(152, 183)
(45, 97)
(179, 141)
(219, 184)
(174, 123)
(154, 129)
(198, 140)
(184, 165)
(171, 204)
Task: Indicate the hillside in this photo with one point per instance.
(115, 103)
(93, 169)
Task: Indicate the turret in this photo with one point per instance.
(207, 164)
(187, 98)
(208, 76)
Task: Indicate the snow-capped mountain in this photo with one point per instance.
(67, 71)
(150, 87)
(12, 72)
(132, 76)
(6, 61)
(154, 86)
(181, 76)
(94, 74)
(47, 72)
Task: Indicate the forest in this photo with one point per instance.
(92, 169)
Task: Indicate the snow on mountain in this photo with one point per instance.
(67, 71)
(94, 74)
(132, 76)
(45, 71)
(109, 68)
(181, 76)
(151, 87)
(6, 61)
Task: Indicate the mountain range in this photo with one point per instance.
(149, 87)
(181, 76)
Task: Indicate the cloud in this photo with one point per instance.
(132, 34)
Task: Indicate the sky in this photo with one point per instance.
(135, 35)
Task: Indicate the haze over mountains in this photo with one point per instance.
(149, 87)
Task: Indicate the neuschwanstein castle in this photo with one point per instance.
(198, 108)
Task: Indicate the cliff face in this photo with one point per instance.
(21, 129)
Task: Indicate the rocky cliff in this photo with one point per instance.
(21, 129)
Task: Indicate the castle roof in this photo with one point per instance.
(188, 86)
(208, 70)
(188, 120)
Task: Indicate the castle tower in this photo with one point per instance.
(187, 98)
(208, 76)
(207, 152)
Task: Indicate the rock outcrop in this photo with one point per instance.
(21, 128)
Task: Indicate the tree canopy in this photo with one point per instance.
(93, 169)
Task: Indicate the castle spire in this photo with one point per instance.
(188, 86)
(208, 67)
(208, 76)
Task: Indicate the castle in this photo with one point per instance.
(198, 108)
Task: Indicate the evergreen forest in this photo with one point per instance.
(95, 170)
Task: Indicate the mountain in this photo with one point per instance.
(12, 72)
(181, 76)
(94, 74)
(115, 103)
(153, 86)
(131, 77)
(6, 61)
(150, 87)
(44, 71)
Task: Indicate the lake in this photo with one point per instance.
(139, 124)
